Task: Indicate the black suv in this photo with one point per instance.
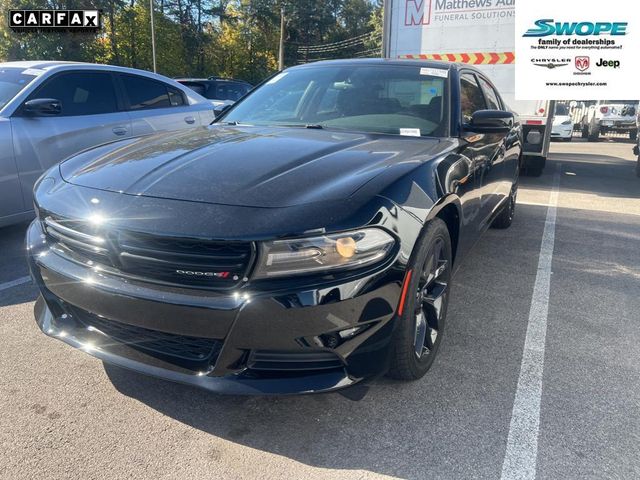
(224, 90)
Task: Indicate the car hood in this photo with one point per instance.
(558, 119)
(247, 166)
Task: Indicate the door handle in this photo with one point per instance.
(119, 130)
(190, 120)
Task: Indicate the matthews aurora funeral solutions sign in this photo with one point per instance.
(579, 49)
(56, 20)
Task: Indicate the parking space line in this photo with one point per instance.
(522, 443)
(14, 283)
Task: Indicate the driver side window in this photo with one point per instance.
(471, 97)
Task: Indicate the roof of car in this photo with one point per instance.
(389, 61)
(36, 64)
(59, 65)
(211, 79)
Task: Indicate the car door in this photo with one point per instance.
(156, 106)
(482, 149)
(91, 115)
(502, 179)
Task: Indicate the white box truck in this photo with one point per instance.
(477, 32)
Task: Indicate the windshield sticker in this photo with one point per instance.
(410, 132)
(435, 72)
(277, 78)
(32, 71)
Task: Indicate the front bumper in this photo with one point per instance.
(612, 125)
(562, 131)
(84, 308)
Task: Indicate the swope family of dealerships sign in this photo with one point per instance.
(424, 12)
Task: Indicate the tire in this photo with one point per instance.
(419, 330)
(585, 131)
(505, 217)
(633, 135)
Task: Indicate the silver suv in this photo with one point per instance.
(51, 110)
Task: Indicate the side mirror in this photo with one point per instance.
(490, 121)
(220, 109)
(42, 107)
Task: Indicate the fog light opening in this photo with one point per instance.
(331, 340)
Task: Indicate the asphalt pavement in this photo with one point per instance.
(64, 414)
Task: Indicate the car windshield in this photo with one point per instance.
(561, 109)
(402, 100)
(12, 81)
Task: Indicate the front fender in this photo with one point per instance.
(431, 191)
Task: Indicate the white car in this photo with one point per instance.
(51, 110)
(562, 124)
(617, 116)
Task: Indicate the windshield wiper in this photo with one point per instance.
(317, 126)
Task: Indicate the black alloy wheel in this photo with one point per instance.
(420, 327)
(505, 217)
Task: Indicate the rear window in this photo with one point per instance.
(145, 93)
(229, 91)
(199, 88)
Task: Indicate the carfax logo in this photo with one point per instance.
(546, 27)
(28, 20)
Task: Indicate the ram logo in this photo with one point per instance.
(583, 63)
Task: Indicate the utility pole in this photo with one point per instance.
(153, 37)
(281, 47)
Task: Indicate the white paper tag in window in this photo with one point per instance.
(435, 72)
(277, 78)
(410, 132)
(32, 71)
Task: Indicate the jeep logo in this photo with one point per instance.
(608, 63)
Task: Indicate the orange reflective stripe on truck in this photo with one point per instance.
(477, 58)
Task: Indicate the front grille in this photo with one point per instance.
(267, 360)
(184, 261)
(187, 262)
(193, 349)
(78, 237)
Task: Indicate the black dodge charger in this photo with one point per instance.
(304, 242)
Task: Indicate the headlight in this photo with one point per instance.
(566, 122)
(328, 252)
